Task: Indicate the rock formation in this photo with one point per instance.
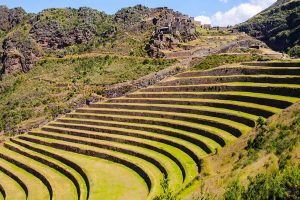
(9, 18)
(19, 54)
(168, 27)
(53, 30)
(171, 29)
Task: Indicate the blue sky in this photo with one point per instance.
(209, 11)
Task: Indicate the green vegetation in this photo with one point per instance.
(281, 184)
(159, 144)
(267, 168)
(218, 60)
(99, 70)
(204, 32)
(277, 26)
(56, 86)
(280, 140)
(167, 193)
(295, 51)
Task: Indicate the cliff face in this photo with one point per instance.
(278, 26)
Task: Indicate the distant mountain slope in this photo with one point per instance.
(278, 26)
(135, 31)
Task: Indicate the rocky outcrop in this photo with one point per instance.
(168, 27)
(171, 29)
(9, 18)
(19, 55)
(133, 17)
(53, 30)
(75, 27)
(51, 34)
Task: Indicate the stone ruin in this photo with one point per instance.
(171, 28)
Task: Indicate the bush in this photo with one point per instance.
(282, 184)
(167, 193)
(294, 52)
(234, 191)
(146, 61)
(260, 139)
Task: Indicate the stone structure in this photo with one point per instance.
(171, 29)
(9, 18)
(206, 26)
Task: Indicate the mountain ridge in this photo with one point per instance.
(278, 26)
(64, 31)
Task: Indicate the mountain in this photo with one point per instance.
(139, 30)
(278, 26)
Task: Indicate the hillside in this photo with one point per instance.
(266, 156)
(161, 137)
(278, 26)
(57, 86)
(148, 104)
(55, 60)
(134, 31)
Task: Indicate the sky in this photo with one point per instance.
(215, 12)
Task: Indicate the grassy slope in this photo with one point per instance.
(105, 183)
(278, 25)
(218, 60)
(12, 188)
(274, 147)
(56, 86)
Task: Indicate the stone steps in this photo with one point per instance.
(52, 178)
(245, 70)
(36, 184)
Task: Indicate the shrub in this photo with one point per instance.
(146, 61)
(167, 193)
(282, 184)
(234, 191)
(294, 52)
(260, 122)
(260, 138)
(279, 185)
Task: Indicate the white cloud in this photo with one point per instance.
(239, 13)
(203, 19)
